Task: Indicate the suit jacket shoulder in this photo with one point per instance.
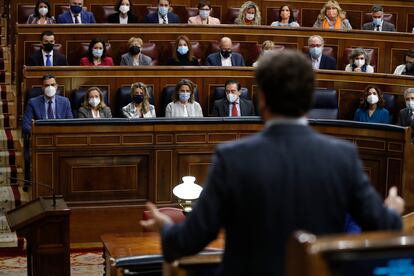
(213, 59)
(327, 63)
(246, 107)
(173, 18)
(36, 59)
(151, 18)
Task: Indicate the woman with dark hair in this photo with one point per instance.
(41, 14)
(371, 107)
(203, 17)
(183, 53)
(286, 18)
(96, 54)
(183, 103)
(93, 105)
(123, 14)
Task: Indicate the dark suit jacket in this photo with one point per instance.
(152, 17)
(66, 17)
(263, 188)
(405, 118)
(386, 26)
(114, 18)
(221, 108)
(37, 59)
(35, 110)
(327, 62)
(87, 113)
(215, 59)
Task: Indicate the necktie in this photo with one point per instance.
(164, 20)
(48, 61)
(377, 28)
(50, 111)
(76, 18)
(234, 110)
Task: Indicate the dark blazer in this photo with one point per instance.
(152, 17)
(35, 110)
(263, 188)
(66, 17)
(386, 26)
(221, 108)
(114, 18)
(215, 59)
(37, 59)
(87, 113)
(327, 62)
(405, 118)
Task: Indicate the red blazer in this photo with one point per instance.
(106, 61)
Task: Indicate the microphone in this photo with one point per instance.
(28, 182)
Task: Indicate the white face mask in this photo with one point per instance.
(94, 101)
(231, 97)
(372, 99)
(359, 62)
(250, 16)
(50, 91)
(43, 11)
(124, 8)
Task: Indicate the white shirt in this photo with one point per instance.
(225, 61)
(123, 20)
(370, 69)
(79, 18)
(316, 62)
(161, 20)
(399, 69)
(177, 109)
(95, 114)
(45, 58)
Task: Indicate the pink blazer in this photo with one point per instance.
(197, 20)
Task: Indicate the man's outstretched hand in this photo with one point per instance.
(158, 219)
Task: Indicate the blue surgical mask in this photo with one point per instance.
(163, 10)
(182, 50)
(410, 105)
(204, 14)
(315, 52)
(97, 52)
(75, 9)
(184, 96)
(377, 21)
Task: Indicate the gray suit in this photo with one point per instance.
(386, 26)
(406, 120)
(128, 60)
(221, 108)
(87, 112)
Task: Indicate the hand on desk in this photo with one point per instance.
(395, 202)
(158, 219)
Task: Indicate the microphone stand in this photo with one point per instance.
(37, 183)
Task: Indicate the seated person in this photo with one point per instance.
(406, 117)
(140, 106)
(183, 103)
(183, 53)
(225, 57)
(46, 106)
(371, 107)
(407, 68)
(47, 56)
(96, 54)
(249, 14)
(233, 105)
(41, 14)
(359, 62)
(93, 105)
(319, 60)
(203, 17)
(378, 24)
(163, 15)
(286, 18)
(267, 47)
(134, 57)
(332, 17)
(76, 14)
(123, 14)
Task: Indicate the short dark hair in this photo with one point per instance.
(48, 77)
(118, 4)
(410, 53)
(90, 48)
(46, 33)
(291, 17)
(203, 3)
(232, 82)
(36, 11)
(377, 8)
(286, 79)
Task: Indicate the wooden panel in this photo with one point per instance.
(194, 163)
(164, 175)
(43, 170)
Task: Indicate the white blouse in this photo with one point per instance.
(177, 109)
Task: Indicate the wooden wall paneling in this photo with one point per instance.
(44, 174)
(193, 162)
(165, 165)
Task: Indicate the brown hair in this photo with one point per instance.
(190, 55)
(101, 104)
(363, 100)
(175, 96)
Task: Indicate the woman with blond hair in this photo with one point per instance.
(332, 17)
(94, 106)
(249, 14)
(135, 57)
(140, 106)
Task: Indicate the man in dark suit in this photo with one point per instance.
(319, 60)
(378, 24)
(287, 177)
(164, 15)
(46, 106)
(47, 56)
(76, 14)
(406, 117)
(225, 57)
(232, 105)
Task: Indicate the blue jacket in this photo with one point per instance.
(215, 59)
(35, 110)
(66, 18)
(380, 116)
(153, 18)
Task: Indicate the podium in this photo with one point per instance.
(46, 229)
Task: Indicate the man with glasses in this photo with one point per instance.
(319, 60)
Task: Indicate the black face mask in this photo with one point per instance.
(225, 54)
(134, 50)
(48, 47)
(138, 99)
(409, 69)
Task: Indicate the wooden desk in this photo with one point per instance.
(118, 246)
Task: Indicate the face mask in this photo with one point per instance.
(315, 52)
(138, 99)
(409, 69)
(94, 101)
(359, 62)
(204, 14)
(43, 11)
(226, 54)
(163, 10)
(410, 105)
(134, 50)
(75, 9)
(97, 53)
(250, 16)
(50, 91)
(48, 47)
(372, 99)
(377, 21)
(184, 96)
(124, 8)
(231, 97)
(182, 50)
